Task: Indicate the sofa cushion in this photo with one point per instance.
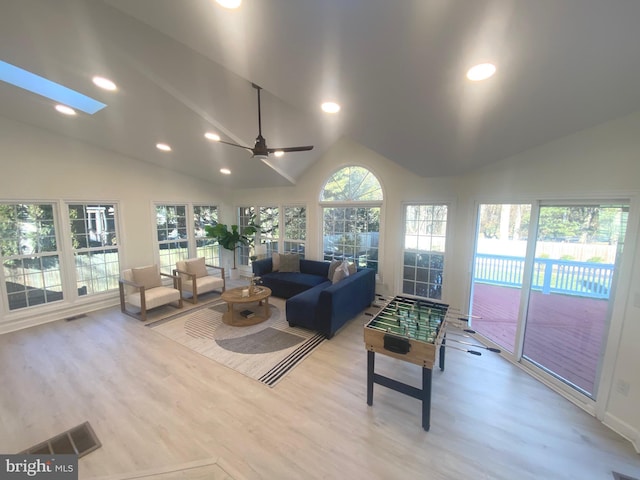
(341, 272)
(332, 268)
(204, 284)
(286, 285)
(154, 298)
(148, 277)
(275, 259)
(262, 267)
(290, 263)
(314, 267)
(352, 268)
(196, 267)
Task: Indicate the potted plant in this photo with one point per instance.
(232, 239)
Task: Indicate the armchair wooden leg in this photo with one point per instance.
(143, 305)
(122, 301)
(123, 308)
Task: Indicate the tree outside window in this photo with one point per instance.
(171, 230)
(30, 257)
(351, 200)
(208, 248)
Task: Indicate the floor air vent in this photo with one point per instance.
(622, 476)
(79, 440)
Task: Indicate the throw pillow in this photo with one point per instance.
(342, 272)
(148, 277)
(332, 268)
(290, 262)
(345, 267)
(197, 267)
(275, 259)
(352, 268)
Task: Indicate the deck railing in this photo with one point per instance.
(585, 279)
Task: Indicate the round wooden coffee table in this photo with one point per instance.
(236, 304)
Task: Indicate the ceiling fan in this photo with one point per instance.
(260, 148)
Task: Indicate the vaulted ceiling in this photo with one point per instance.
(397, 68)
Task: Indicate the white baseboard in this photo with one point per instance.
(624, 429)
(52, 314)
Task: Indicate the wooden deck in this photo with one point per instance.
(564, 333)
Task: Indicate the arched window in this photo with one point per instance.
(352, 184)
(351, 202)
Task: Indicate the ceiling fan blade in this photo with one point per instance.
(235, 145)
(291, 149)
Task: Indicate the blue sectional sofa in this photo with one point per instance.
(313, 301)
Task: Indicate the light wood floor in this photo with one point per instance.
(155, 405)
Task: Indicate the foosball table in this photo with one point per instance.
(412, 330)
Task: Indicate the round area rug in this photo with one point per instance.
(266, 337)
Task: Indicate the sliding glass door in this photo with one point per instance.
(576, 253)
(501, 245)
(548, 302)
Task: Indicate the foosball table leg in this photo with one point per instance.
(441, 352)
(426, 398)
(370, 374)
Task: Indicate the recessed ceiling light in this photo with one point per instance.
(330, 107)
(225, 171)
(229, 3)
(104, 83)
(66, 110)
(163, 146)
(481, 72)
(278, 153)
(212, 136)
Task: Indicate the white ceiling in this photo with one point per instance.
(184, 67)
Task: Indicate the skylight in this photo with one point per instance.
(46, 88)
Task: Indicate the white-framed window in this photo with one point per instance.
(351, 201)
(180, 234)
(425, 234)
(271, 236)
(94, 241)
(295, 229)
(208, 248)
(171, 235)
(246, 216)
(31, 259)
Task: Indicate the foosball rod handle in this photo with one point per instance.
(472, 352)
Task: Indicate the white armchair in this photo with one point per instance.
(142, 287)
(197, 279)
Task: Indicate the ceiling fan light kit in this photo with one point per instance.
(260, 149)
